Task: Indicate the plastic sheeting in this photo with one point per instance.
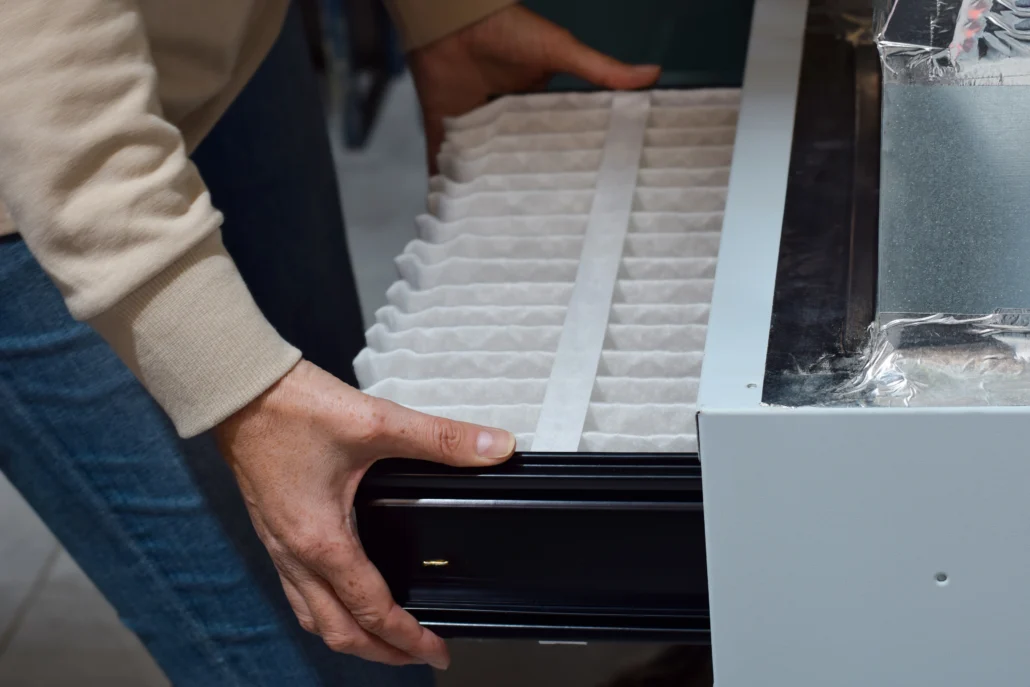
(965, 42)
(942, 361)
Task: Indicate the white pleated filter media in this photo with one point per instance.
(561, 281)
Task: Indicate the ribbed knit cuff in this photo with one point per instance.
(420, 22)
(6, 223)
(196, 340)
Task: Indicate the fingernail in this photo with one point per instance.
(494, 444)
(647, 67)
(440, 665)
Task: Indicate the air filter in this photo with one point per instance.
(561, 281)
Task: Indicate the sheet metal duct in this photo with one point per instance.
(955, 180)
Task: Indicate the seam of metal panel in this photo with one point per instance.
(738, 330)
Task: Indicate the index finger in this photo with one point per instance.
(365, 594)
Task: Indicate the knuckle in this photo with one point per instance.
(341, 643)
(445, 435)
(369, 619)
(315, 549)
(280, 555)
(307, 623)
(307, 548)
(372, 425)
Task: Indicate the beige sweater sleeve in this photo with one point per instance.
(421, 22)
(101, 188)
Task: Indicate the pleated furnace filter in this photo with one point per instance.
(561, 280)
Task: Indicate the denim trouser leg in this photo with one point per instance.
(157, 522)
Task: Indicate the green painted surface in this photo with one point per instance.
(697, 42)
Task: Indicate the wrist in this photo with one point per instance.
(421, 23)
(260, 415)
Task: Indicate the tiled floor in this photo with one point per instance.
(27, 551)
(55, 628)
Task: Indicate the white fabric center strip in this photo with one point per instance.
(571, 383)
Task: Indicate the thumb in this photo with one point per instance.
(410, 434)
(573, 57)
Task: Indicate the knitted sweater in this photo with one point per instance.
(101, 103)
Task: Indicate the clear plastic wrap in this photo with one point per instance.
(960, 42)
(942, 361)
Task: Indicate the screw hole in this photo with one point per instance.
(752, 386)
(942, 578)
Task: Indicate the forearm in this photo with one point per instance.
(100, 186)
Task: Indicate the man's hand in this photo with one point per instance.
(299, 452)
(511, 51)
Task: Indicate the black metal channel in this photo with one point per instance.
(530, 624)
(824, 299)
(544, 472)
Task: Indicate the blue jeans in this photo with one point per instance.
(157, 522)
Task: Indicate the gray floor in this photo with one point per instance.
(383, 189)
(57, 630)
